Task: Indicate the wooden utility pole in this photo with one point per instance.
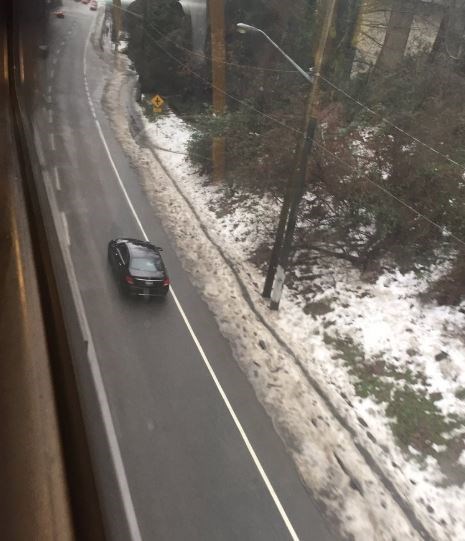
(283, 243)
(218, 52)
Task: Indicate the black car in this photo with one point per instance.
(138, 267)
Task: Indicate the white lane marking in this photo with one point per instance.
(115, 451)
(50, 116)
(52, 142)
(65, 228)
(63, 43)
(207, 363)
(56, 176)
(52, 73)
(54, 61)
(49, 90)
(58, 51)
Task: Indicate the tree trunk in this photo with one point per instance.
(347, 25)
(439, 42)
(397, 33)
(450, 39)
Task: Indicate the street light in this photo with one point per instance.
(295, 189)
(243, 28)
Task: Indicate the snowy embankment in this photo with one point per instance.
(342, 444)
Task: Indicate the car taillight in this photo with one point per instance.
(129, 279)
(166, 282)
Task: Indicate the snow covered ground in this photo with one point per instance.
(350, 372)
(385, 323)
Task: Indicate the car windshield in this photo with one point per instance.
(147, 263)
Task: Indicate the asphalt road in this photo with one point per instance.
(190, 473)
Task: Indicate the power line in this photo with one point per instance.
(325, 149)
(204, 56)
(412, 209)
(390, 123)
(333, 85)
(232, 97)
(233, 64)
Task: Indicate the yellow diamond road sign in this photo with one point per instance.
(157, 101)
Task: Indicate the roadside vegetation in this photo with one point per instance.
(360, 153)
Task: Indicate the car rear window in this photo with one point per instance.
(146, 263)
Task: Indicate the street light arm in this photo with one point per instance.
(288, 58)
(244, 28)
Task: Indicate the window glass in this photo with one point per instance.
(146, 263)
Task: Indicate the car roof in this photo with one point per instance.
(139, 247)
